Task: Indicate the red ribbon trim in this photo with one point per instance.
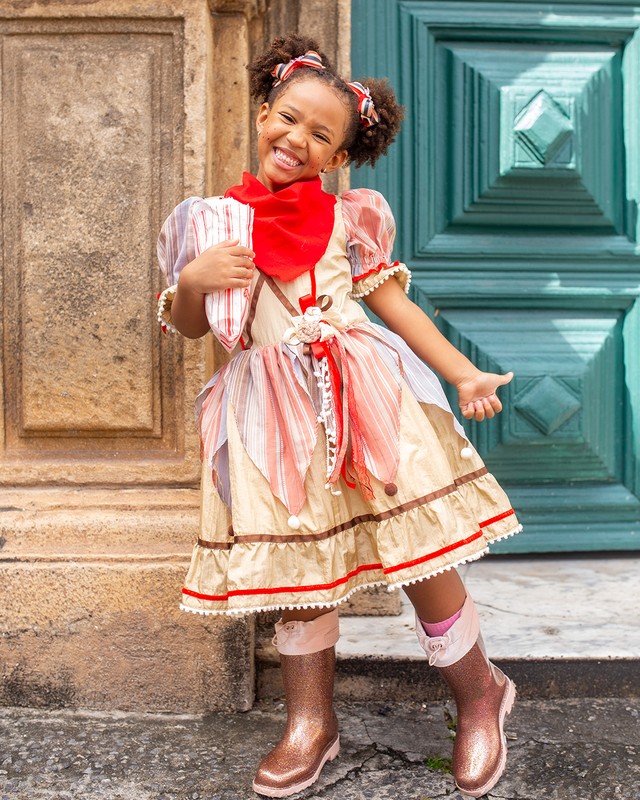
(364, 568)
(506, 514)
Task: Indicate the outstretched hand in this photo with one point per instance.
(477, 396)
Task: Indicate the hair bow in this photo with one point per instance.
(367, 110)
(282, 71)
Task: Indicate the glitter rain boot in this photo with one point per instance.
(483, 695)
(310, 739)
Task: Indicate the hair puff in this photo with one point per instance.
(282, 50)
(369, 143)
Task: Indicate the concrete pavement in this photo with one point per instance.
(565, 629)
(559, 750)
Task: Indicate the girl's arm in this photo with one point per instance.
(227, 265)
(476, 389)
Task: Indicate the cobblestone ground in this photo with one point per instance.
(559, 750)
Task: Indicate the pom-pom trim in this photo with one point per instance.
(163, 315)
(388, 274)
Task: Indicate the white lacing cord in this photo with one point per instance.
(327, 417)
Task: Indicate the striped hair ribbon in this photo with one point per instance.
(282, 71)
(367, 110)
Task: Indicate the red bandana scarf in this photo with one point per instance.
(291, 227)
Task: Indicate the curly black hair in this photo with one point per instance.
(364, 145)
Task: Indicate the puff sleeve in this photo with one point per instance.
(193, 226)
(370, 229)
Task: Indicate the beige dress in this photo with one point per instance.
(281, 524)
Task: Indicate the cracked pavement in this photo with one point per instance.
(559, 749)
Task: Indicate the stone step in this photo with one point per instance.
(561, 626)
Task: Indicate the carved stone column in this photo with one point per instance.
(112, 112)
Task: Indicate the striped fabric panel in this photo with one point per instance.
(375, 380)
(212, 426)
(276, 415)
(276, 419)
(212, 418)
(214, 220)
(422, 381)
(370, 229)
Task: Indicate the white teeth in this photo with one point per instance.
(292, 162)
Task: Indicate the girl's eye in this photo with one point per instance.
(286, 117)
(322, 138)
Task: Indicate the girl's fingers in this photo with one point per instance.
(506, 378)
(489, 413)
(243, 252)
(479, 410)
(227, 243)
(239, 283)
(468, 411)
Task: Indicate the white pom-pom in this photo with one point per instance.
(293, 522)
(336, 492)
(466, 452)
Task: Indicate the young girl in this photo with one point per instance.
(331, 459)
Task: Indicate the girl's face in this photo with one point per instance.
(300, 135)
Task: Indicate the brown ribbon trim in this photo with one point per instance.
(215, 545)
(324, 302)
(252, 308)
(318, 537)
(280, 295)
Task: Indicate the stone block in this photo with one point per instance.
(110, 636)
(375, 601)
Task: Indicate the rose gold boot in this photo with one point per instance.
(310, 739)
(483, 695)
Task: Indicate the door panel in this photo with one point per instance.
(515, 185)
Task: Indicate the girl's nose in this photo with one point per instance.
(296, 136)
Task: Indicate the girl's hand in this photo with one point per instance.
(227, 265)
(477, 396)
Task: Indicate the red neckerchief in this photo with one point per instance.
(291, 227)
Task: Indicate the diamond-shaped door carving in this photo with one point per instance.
(547, 404)
(524, 139)
(561, 416)
(542, 128)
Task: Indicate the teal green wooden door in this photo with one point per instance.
(516, 184)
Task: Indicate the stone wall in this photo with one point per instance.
(106, 124)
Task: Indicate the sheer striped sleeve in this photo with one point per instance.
(176, 248)
(176, 243)
(371, 230)
(192, 227)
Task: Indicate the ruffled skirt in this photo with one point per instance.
(439, 511)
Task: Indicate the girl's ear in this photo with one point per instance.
(263, 113)
(336, 161)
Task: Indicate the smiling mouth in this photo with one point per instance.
(285, 158)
